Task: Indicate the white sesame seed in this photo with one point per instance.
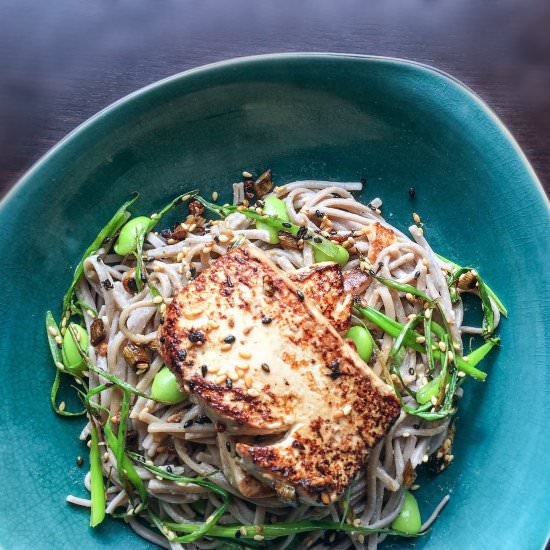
(215, 196)
(253, 392)
(223, 238)
(357, 522)
(461, 374)
(425, 458)
(450, 355)
(420, 339)
(247, 175)
(427, 313)
(416, 217)
(58, 340)
(157, 299)
(62, 406)
(245, 354)
(346, 409)
(442, 346)
(52, 331)
(60, 365)
(406, 434)
(434, 400)
(409, 297)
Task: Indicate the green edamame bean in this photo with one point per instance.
(127, 240)
(408, 521)
(273, 206)
(429, 390)
(165, 388)
(72, 359)
(363, 341)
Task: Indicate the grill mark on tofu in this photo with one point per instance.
(326, 422)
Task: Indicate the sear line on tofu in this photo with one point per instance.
(300, 407)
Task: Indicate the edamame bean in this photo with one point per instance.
(127, 240)
(363, 341)
(70, 353)
(273, 206)
(165, 388)
(408, 521)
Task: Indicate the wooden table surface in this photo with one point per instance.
(63, 60)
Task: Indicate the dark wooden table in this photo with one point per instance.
(63, 60)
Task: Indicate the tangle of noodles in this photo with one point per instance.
(164, 433)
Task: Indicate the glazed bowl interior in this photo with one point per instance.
(322, 116)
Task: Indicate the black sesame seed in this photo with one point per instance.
(265, 367)
(318, 240)
(229, 339)
(237, 534)
(182, 354)
(228, 446)
(411, 371)
(229, 383)
(203, 419)
(363, 181)
(286, 224)
(169, 469)
(188, 423)
(161, 320)
(300, 295)
(301, 232)
(319, 214)
(412, 192)
(79, 461)
(371, 206)
(417, 275)
(416, 426)
(204, 370)
(107, 284)
(196, 336)
(307, 236)
(266, 320)
(298, 444)
(162, 339)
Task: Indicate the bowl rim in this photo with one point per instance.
(243, 60)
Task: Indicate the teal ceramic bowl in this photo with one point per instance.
(340, 117)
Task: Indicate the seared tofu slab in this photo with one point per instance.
(262, 360)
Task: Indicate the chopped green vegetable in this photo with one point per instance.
(490, 292)
(165, 388)
(425, 393)
(280, 529)
(52, 330)
(199, 529)
(108, 232)
(330, 251)
(393, 328)
(363, 341)
(408, 521)
(273, 206)
(97, 514)
(401, 287)
(72, 358)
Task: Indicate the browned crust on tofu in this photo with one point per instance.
(323, 284)
(317, 390)
(380, 237)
